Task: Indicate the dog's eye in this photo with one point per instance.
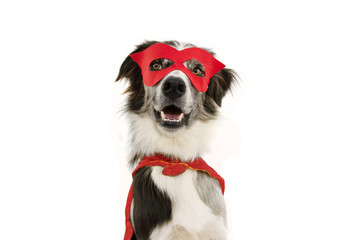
(195, 67)
(156, 66)
(197, 71)
(160, 64)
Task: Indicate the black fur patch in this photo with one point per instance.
(219, 85)
(131, 71)
(152, 207)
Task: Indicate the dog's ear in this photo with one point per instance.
(129, 67)
(131, 72)
(220, 84)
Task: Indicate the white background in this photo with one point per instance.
(289, 149)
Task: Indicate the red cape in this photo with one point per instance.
(171, 168)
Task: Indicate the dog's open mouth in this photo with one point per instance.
(171, 116)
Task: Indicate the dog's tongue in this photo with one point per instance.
(172, 116)
(172, 113)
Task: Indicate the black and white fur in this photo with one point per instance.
(190, 205)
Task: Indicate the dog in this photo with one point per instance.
(172, 116)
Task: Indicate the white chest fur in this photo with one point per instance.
(191, 218)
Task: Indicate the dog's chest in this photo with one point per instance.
(188, 209)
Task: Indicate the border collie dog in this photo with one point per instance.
(172, 118)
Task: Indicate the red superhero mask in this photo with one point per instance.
(161, 50)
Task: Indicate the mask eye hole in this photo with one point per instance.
(195, 67)
(160, 64)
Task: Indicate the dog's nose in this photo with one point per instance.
(174, 88)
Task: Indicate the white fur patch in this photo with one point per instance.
(190, 216)
(182, 46)
(147, 139)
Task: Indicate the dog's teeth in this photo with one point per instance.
(162, 115)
